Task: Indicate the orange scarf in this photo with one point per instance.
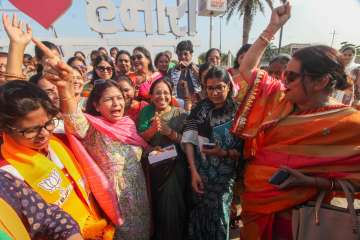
(63, 188)
(321, 143)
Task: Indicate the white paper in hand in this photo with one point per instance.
(164, 154)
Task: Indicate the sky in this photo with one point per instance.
(312, 21)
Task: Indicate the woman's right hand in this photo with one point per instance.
(56, 70)
(279, 17)
(16, 31)
(196, 182)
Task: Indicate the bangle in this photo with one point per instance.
(17, 76)
(267, 41)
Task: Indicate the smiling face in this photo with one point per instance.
(123, 63)
(104, 70)
(78, 83)
(141, 63)
(161, 96)
(128, 91)
(29, 123)
(111, 105)
(163, 63)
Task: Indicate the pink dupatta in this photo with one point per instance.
(124, 131)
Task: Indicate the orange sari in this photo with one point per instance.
(324, 142)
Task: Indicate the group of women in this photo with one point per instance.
(93, 180)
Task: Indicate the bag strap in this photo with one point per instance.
(349, 191)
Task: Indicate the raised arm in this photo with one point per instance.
(19, 37)
(252, 58)
(60, 74)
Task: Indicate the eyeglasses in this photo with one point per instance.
(30, 133)
(103, 69)
(137, 57)
(218, 88)
(291, 76)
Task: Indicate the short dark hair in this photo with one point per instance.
(121, 52)
(18, 98)
(147, 55)
(96, 94)
(73, 59)
(185, 45)
(320, 60)
(345, 48)
(114, 48)
(81, 53)
(241, 51)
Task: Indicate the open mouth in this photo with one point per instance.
(116, 113)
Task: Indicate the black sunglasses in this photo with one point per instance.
(103, 69)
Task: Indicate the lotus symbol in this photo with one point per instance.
(52, 183)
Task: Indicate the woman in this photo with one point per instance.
(123, 65)
(104, 69)
(161, 125)
(213, 56)
(30, 151)
(349, 54)
(28, 119)
(272, 119)
(80, 54)
(78, 62)
(145, 72)
(133, 107)
(213, 170)
(22, 218)
(162, 61)
(103, 136)
(113, 53)
(78, 81)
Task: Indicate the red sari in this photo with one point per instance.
(323, 142)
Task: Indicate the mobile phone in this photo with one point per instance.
(208, 145)
(279, 177)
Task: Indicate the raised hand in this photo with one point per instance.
(16, 30)
(280, 16)
(56, 70)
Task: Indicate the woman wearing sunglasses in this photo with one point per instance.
(31, 151)
(145, 72)
(294, 126)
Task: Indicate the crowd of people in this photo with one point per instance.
(76, 139)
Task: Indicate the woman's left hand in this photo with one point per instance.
(296, 179)
(215, 151)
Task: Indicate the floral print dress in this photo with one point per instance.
(121, 164)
